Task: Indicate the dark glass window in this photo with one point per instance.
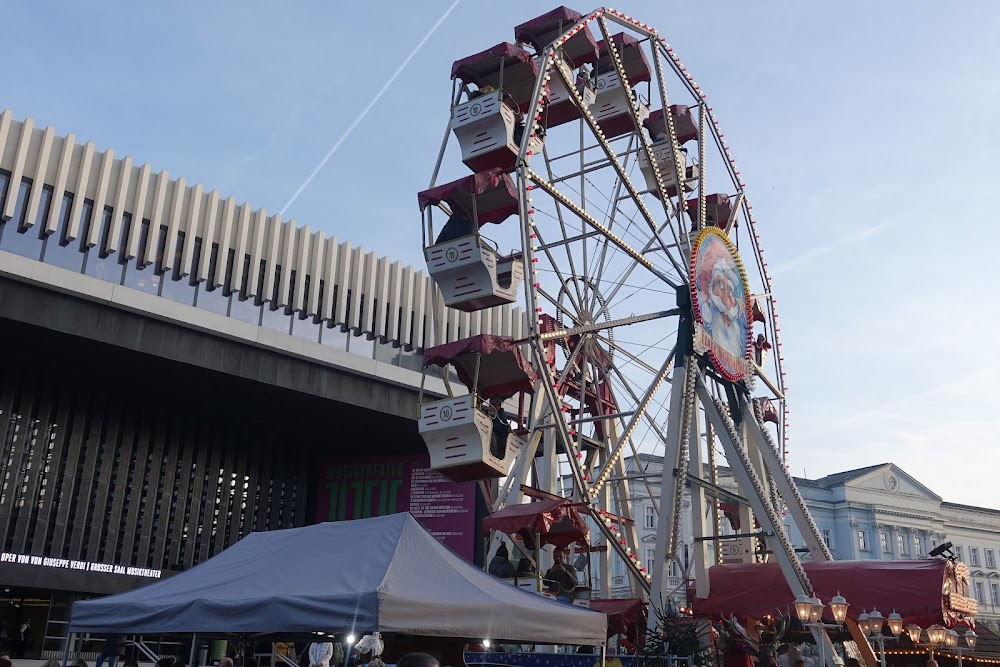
(4, 181)
(386, 352)
(99, 262)
(279, 319)
(412, 360)
(361, 346)
(303, 325)
(141, 276)
(175, 286)
(306, 327)
(14, 237)
(58, 250)
(209, 297)
(244, 307)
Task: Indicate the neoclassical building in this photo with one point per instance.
(876, 512)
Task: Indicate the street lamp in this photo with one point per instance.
(895, 622)
(816, 614)
(871, 627)
(838, 606)
(810, 613)
(941, 637)
(876, 619)
(803, 608)
(935, 635)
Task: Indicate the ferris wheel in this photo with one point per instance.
(652, 323)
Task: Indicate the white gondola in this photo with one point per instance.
(576, 54)
(613, 107)
(457, 435)
(468, 269)
(489, 123)
(685, 130)
(458, 430)
(662, 156)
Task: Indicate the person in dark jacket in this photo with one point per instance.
(458, 225)
(501, 566)
(114, 647)
(561, 578)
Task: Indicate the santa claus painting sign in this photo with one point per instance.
(721, 304)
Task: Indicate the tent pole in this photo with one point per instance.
(604, 654)
(194, 648)
(67, 645)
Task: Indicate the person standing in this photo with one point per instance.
(114, 647)
(24, 636)
(320, 654)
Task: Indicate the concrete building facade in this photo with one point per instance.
(176, 368)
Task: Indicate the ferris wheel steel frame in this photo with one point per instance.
(725, 408)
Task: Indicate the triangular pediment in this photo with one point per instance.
(889, 478)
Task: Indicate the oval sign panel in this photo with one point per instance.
(720, 299)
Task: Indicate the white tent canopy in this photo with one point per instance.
(384, 574)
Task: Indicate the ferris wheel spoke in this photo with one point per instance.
(640, 410)
(631, 357)
(562, 227)
(620, 281)
(608, 150)
(555, 267)
(555, 303)
(611, 215)
(536, 178)
(624, 321)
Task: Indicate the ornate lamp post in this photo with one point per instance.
(810, 613)
(871, 626)
(942, 638)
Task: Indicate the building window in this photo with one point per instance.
(827, 537)
(918, 548)
(650, 516)
(974, 556)
(650, 559)
(958, 552)
(884, 542)
(901, 543)
(991, 559)
(617, 566)
(980, 594)
(995, 594)
(862, 540)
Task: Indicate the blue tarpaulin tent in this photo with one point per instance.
(386, 574)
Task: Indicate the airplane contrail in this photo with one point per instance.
(373, 102)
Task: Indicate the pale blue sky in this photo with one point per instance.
(865, 132)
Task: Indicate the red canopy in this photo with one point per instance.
(543, 30)
(504, 63)
(685, 124)
(920, 590)
(503, 370)
(633, 59)
(622, 613)
(488, 196)
(557, 522)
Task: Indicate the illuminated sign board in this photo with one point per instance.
(79, 565)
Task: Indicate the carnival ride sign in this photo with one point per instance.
(720, 299)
